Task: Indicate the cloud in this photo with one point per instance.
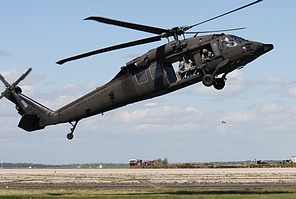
(269, 81)
(291, 92)
(172, 118)
(271, 108)
(10, 75)
(155, 113)
(146, 118)
(9, 124)
(236, 84)
(59, 96)
(236, 117)
(4, 53)
(13, 74)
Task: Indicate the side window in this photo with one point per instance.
(156, 70)
(141, 77)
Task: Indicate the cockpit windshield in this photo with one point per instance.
(228, 42)
(231, 41)
(239, 39)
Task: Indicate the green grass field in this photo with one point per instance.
(166, 193)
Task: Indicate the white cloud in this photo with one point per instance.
(27, 84)
(146, 118)
(4, 53)
(292, 92)
(278, 128)
(133, 116)
(194, 121)
(10, 75)
(269, 80)
(271, 107)
(235, 117)
(28, 90)
(235, 85)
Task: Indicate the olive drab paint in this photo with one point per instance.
(207, 59)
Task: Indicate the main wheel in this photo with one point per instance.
(70, 136)
(219, 84)
(208, 80)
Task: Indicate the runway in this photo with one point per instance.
(135, 179)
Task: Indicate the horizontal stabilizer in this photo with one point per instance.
(30, 123)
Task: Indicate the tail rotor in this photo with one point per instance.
(31, 111)
(13, 88)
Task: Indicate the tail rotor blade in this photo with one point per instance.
(22, 77)
(7, 85)
(11, 89)
(4, 81)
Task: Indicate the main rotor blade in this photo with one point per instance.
(134, 26)
(213, 18)
(4, 81)
(213, 31)
(22, 77)
(116, 47)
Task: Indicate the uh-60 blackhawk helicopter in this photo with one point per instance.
(207, 58)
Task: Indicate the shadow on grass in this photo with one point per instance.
(215, 192)
(226, 192)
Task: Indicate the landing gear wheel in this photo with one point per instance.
(219, 84)
(208, 80)
(70, 136)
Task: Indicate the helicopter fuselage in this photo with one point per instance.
(153, 74)
(167, 68)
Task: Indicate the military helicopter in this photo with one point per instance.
(207, 59)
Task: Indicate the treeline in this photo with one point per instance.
(158, 163)
(62, 166)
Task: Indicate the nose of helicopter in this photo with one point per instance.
(254, 49)
(267, 47)
(261, 48)
(257, 48)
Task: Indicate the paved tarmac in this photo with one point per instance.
(133, 179)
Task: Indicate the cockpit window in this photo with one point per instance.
(228, 43)
(239, 39)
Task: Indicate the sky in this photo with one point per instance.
(257, 104)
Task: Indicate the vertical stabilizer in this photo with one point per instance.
(34, 115)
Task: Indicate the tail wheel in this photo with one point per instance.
(208, 80)
(70, 136)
